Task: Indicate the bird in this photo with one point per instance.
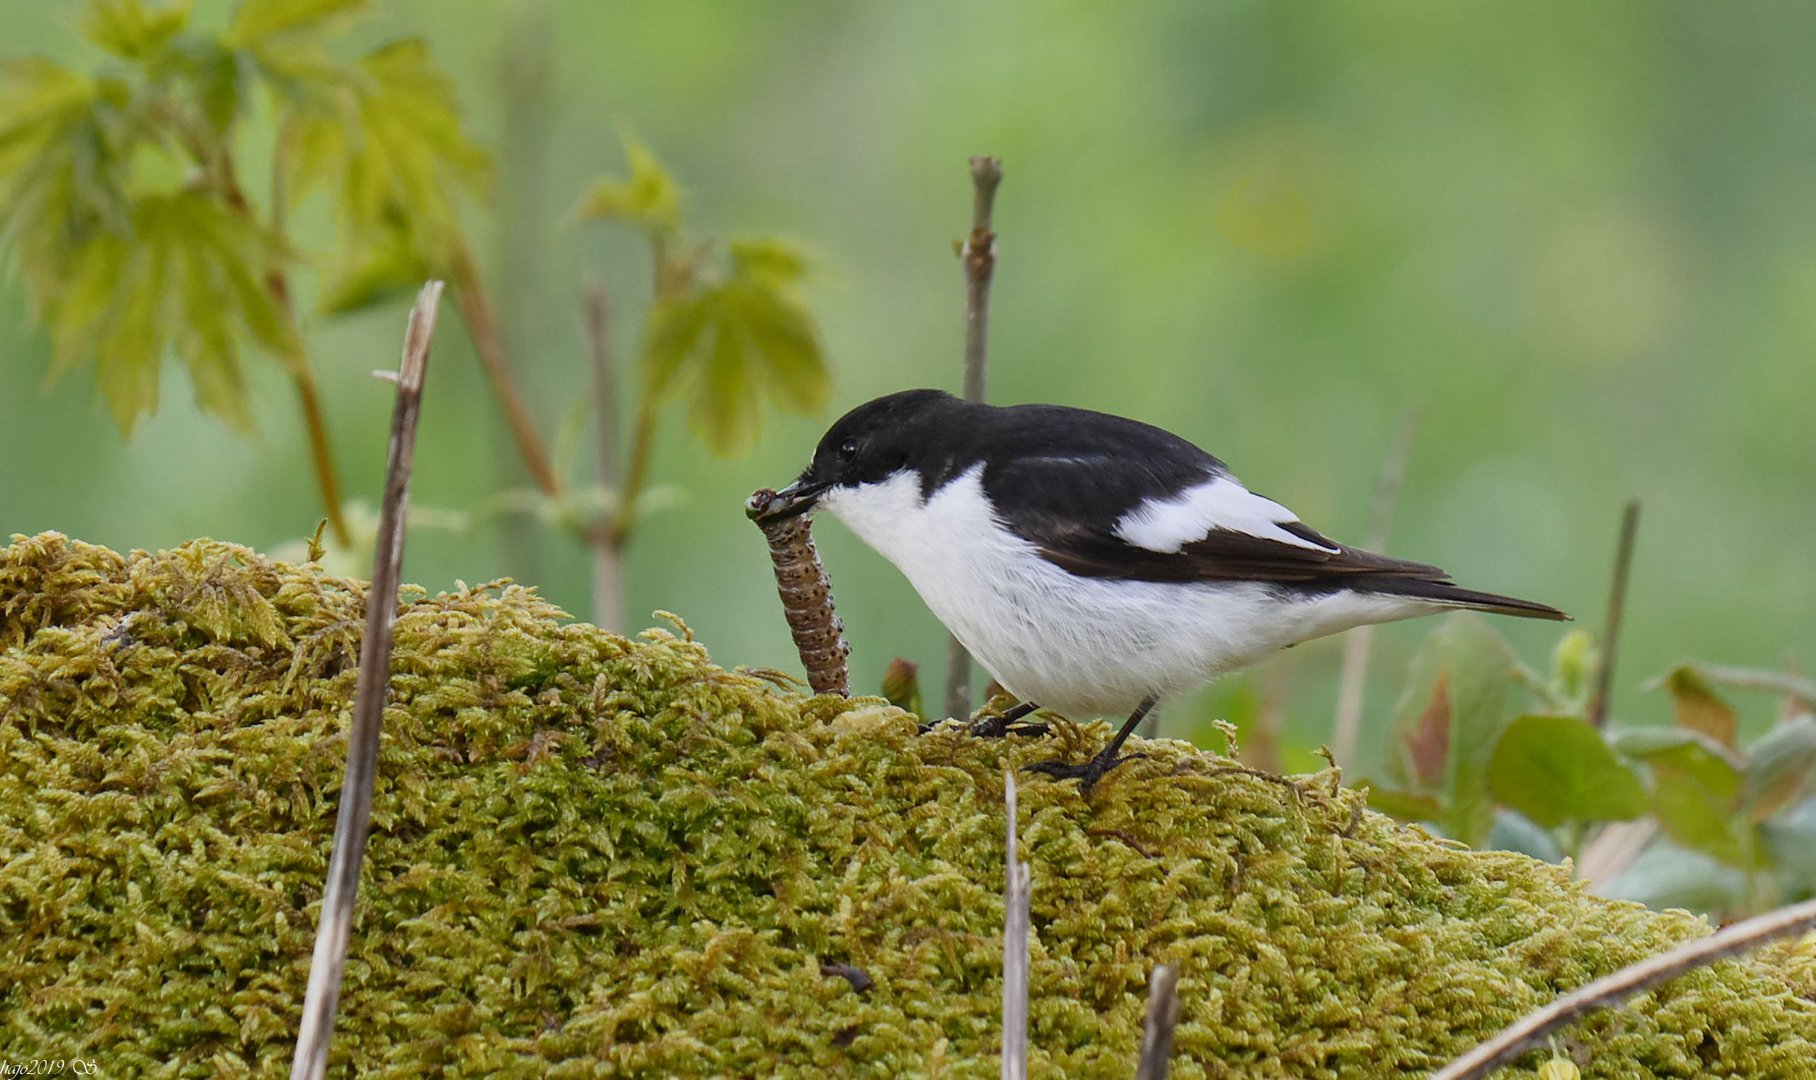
(1096, 565)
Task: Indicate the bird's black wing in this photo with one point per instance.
(1069, 528)
(1106, 497)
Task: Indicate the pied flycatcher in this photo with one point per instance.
(1093, 564)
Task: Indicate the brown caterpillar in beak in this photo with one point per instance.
(806, 594)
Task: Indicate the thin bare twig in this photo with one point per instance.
(979, 258)
(1617, 606)
(488, 342)
(1018, 884)
(643, 439)
(669, 275)
(1352, 686)
(1630, 980)
(336, 925)
(1163, 1017)
(321, 455)
(608, 557)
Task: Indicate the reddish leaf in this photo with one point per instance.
(1698, 709)
(1427, 742)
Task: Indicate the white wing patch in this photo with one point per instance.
(1167, 525)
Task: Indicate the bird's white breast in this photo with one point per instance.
(1083, 646)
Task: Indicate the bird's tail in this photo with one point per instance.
(1448, 595)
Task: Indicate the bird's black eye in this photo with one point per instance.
(848, 449)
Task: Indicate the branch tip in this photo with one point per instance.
(1609, 990)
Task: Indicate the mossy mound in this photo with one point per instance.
(599, 856)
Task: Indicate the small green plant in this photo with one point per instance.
(1491, 753)
(723, 336)
(125, 193)
(151, 206)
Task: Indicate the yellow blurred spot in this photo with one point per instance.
(1275, 196)
(1608, 284)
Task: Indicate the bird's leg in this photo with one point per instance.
(1091, 771)
(995, 727)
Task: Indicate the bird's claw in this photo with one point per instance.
(995, 727)
(1087, 774)
(990, 727)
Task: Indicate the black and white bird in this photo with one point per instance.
(1096, 565)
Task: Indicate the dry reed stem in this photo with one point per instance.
(336, 927)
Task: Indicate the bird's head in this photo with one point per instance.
(868, 445)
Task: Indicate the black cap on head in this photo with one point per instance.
(909, 429)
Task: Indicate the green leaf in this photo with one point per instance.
(728, 347)
(1701, 819)
(768, 258)
(1469, 668)
(1796, 687)
(1791, 842)
(256, 22)
(723, 408)
(1515, 832)
(674, 332)
(385, 267)
(1698, 709)
(384, 135)
(187, 276)
(648, 197)
(212, 78)
(62, 166)
(1696, 785)
(1668, 876)
(1714, 766)
(1554, 769)
(131, 340)
(1779, 767)
(1404, 805)
(1424, 734)
(784, 344)
(131, 29)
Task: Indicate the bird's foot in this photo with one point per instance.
(990, 727)
(1086, 774)
(995, 727)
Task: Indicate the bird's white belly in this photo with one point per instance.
(1081, 646)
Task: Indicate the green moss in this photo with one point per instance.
(594, 855)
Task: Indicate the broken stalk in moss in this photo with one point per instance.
(1163, 1017)
(1018, 887)
(336, 926)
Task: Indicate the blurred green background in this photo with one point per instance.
(1579, 240)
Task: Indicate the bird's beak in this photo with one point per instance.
(795, 499)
